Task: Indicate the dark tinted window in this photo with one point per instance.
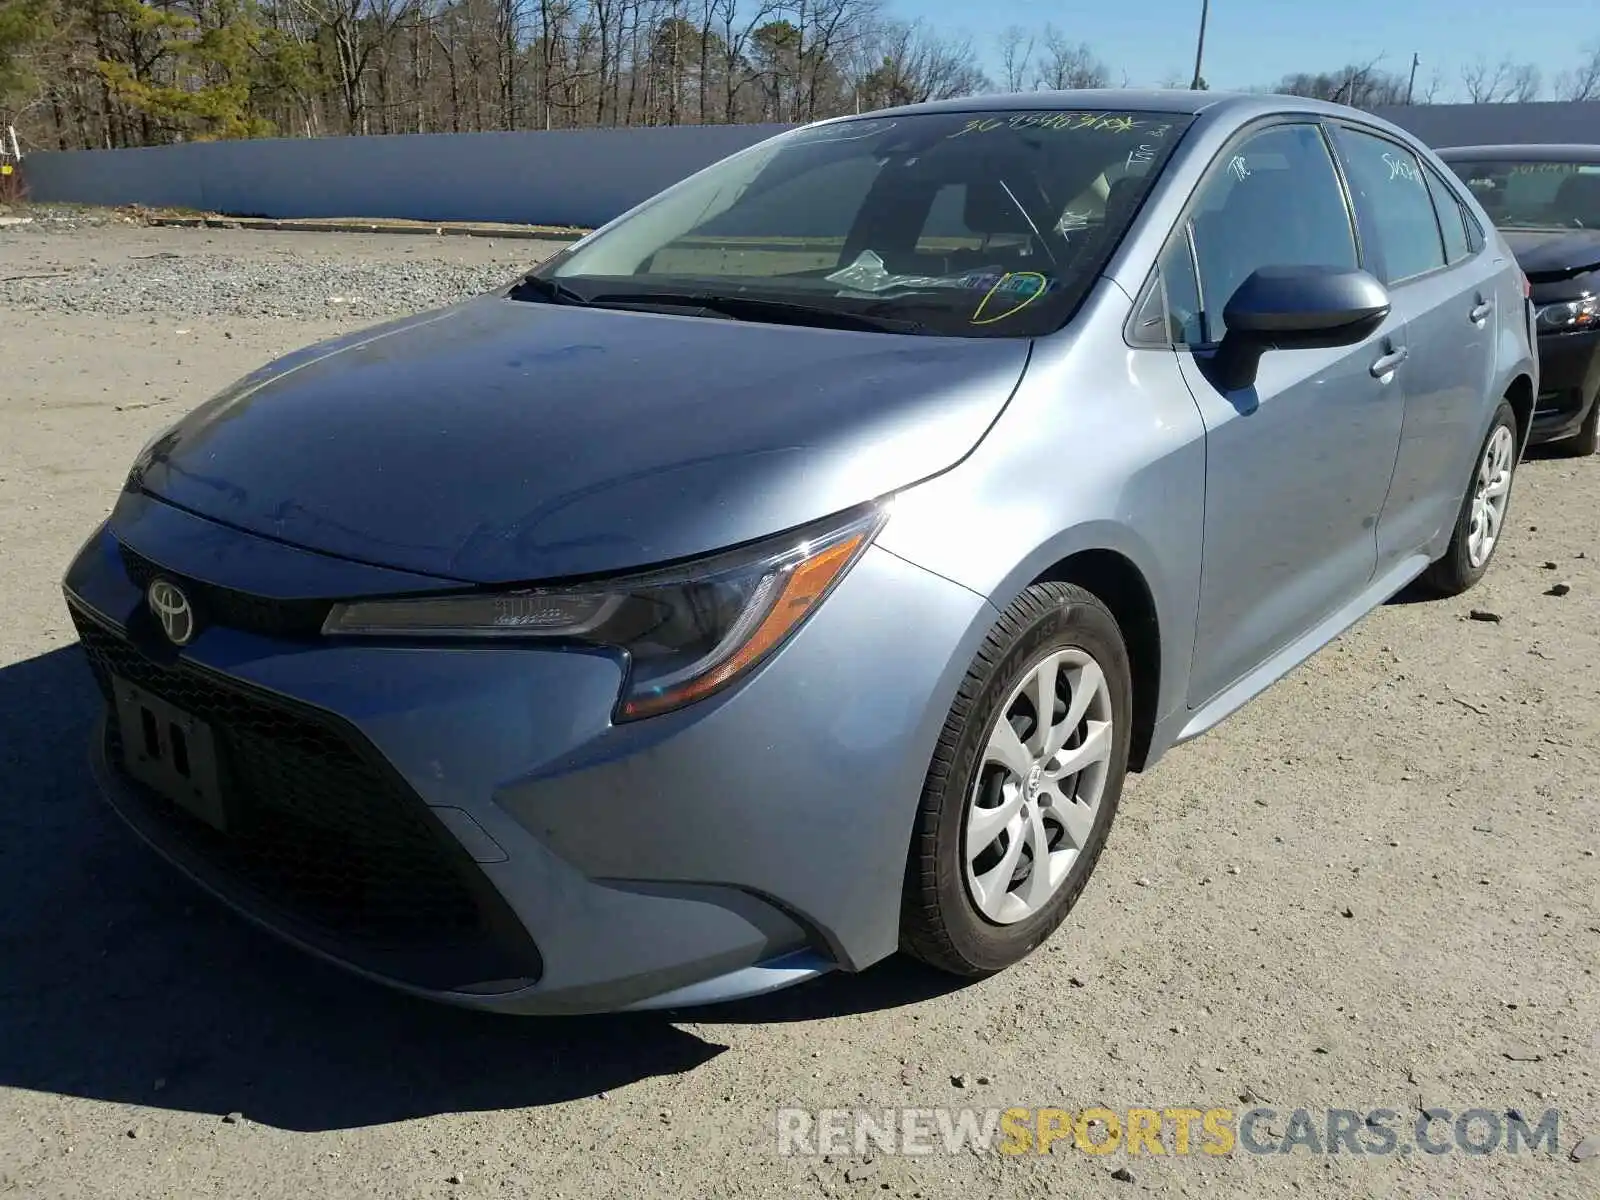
(1392, 191)
(1535, 194)
(1452, 219)
(1275, 202)
(976, 225)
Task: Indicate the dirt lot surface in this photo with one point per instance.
(1374, 888)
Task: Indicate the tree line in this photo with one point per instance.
(77, 74)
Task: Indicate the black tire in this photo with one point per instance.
(1587, 440)
(940, 923)
(1454, 573)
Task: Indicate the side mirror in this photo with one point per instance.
(1287, 308)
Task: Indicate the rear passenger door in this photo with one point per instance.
(1442, 283)
(1298, 465)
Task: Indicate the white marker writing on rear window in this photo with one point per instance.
(1399, 168)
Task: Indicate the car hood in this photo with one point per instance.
(501, 440)
(1556, 253)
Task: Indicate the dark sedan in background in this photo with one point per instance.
(1546, 200)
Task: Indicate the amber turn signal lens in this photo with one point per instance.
(803, 587)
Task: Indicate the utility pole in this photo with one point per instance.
(1200, 46)
(1410, 87)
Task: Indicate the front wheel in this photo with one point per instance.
(1482, 519)
(1023, 787)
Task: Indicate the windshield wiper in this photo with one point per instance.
(553, 291)
(760, 308)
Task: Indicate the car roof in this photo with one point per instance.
(1533, 151)
(1162, 100)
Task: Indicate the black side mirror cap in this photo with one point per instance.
(1287, 308)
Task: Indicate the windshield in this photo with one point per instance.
(961, 224)
(1536, 195)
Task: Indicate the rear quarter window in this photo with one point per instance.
(1452, 219)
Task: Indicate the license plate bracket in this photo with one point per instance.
(170, 752)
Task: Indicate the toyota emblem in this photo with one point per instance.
(172, 608)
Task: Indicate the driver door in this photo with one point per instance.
(1297, 465)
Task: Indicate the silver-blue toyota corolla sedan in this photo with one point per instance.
(789, 572)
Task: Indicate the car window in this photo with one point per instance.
(1392, 191)
(814, 209)
(1475, 234)
(1276, 201)
(961, 224)
(1452, 218)
(1535, 194)
(948, 229)
(1169, 314)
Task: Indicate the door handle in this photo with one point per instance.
(1481, 312)
(1389, 362)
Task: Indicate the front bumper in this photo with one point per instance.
(526, 855)
(1569, 384)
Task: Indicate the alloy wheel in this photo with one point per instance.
(1491, 497)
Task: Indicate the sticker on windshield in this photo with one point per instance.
(1011, 293)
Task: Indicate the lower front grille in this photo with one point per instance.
(323, 839)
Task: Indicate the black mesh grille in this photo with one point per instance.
(235, 610)
(321, 839)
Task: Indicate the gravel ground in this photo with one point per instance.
(1374, 888)
(206, 274)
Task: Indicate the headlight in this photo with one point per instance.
(688, 631)
(1571, 315)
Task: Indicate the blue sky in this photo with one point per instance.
(1252, 42)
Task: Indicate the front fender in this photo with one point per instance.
(1102, 448)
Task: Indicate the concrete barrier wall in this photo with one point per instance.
(567, 177)
(577, 177)
(1442, 125)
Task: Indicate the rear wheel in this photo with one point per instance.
(1482, 518)
(1023, 787)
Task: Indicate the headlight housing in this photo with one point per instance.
(688, 631)
(1568, 316)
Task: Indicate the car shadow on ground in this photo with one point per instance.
(123, 982)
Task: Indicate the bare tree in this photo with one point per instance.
(1016, 55)
(1360, 86)
(326, 67)
(829, 30)
(916, 65)
(1066, 64)
(1504, 83)
(1582, 82)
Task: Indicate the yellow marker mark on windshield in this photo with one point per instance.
(1040, 285)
